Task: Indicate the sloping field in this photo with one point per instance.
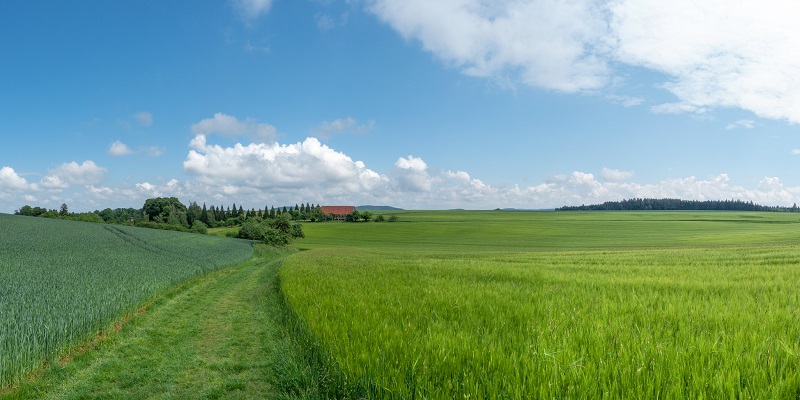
(554, 305)
(63, 281)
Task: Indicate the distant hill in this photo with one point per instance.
(378, 208)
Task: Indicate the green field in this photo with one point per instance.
(439, 305)
(553, 305)
(63, 282)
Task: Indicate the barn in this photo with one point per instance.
(338, 212)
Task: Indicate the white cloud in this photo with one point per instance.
(275, 166)
(250, 10)
(712, 53)
(86, 173)
(796, 152)
(257, 175)
(119, 149)
(411, 174)
(328, 128)
(553, 44)
(53, 182)
(615, 175)
(9, 180)
(742, 123)
(230, 126)
(143, 118)
(717, 53)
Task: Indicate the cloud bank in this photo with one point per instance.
(260, 173)
(711, 53)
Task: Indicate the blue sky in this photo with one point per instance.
(471, 104)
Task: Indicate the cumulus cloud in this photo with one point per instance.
(9, 180)
(329, 128)
(257, 175)
(411, 174)
(276, 166)
(250, 10)
(119, 149)
(615, 175)
(230, 126)
(53, 182)
(143, 118)
(712, 53)
(86, 173)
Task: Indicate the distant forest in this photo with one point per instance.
(678, 205)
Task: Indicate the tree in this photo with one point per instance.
(353, 217)
(366, 215)
(63, 211)
(204, 215)
(194, 213)
(158, 209)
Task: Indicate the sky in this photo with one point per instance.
(418, 104)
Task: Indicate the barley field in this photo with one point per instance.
(554, 305)
(62, 282)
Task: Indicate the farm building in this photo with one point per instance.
(338, 212)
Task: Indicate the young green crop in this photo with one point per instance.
(63, 281)
(688, 305)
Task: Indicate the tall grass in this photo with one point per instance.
(63, 281)
(707, 320)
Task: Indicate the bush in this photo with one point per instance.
(277, 232)
(380, 218)
(393, 218)
(199, 227)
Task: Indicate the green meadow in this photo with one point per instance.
(556, 305)
(438, 305)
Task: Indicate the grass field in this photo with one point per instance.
(555, 305)
(62, 282)
(220, 335)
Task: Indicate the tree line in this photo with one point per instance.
(170, 211)
(645, 204)
(270, 225)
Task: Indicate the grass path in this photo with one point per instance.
(216, 336)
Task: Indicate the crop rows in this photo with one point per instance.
(695, 322)
(62, 281)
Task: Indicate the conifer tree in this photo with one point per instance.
(204, 215)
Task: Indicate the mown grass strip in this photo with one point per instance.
(217, 336)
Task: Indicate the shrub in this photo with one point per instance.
(277, 232)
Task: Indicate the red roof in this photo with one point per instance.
(338, 210)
